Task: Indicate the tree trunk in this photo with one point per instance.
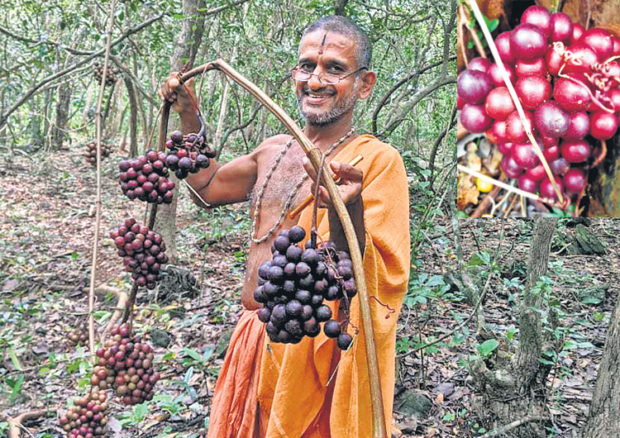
(133, 119)
(515, 389)
(340, 6)
(63, 101)
(604, 419)
(530, 328)
(184, 53)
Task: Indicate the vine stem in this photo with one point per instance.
(93, 269)
(487, 35)
(314, 155)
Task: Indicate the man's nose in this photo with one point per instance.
(313, 82)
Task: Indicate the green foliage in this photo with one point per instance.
(487, 347)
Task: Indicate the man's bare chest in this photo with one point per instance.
(286, 183)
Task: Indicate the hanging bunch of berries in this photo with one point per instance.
(294, 283)
(187, 153)
(143, 252)
(111, 74)
(90, 151)
(87, 417)
(126, 363)
(146, 178)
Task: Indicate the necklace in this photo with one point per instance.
(291, 195)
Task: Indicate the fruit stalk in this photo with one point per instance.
(378, 419)
(504, 185)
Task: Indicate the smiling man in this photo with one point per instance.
(311, 389)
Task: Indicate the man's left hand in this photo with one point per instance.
(350, 185)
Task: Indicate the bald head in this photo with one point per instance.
(346, 27)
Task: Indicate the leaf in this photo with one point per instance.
(192, 353)
(487, 347)
(15, 360)
(188, 375)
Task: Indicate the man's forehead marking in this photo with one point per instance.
(322, 44)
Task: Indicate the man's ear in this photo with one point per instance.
(368, 80)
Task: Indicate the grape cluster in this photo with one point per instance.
(293, 285)
(78, 336)
(146, 178)
(90, 152)
(143, 252)
(87, 418)
(111, 74)
(126, 363)
(187, 154)
(568, 83)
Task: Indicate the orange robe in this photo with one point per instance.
(293, 393)
(233, 407)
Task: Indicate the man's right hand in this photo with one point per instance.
(183, 98)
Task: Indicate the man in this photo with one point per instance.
(275, 390)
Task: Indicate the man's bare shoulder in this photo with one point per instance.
(272, 143)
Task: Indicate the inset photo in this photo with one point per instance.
(538, 94)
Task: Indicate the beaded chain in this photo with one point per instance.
(291, 195)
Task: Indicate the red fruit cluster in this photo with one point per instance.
(87, 418)
(568, 82)
(187, 154)
(126, 363)
(294, 283)
(143, 251)
(90, 152)
(146, 178)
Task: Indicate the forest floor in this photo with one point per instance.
(46, 234)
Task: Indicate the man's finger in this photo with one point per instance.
(346, 171)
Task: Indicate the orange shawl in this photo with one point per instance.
(293, 388)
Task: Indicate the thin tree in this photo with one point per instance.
(185, 50)
(604, 417)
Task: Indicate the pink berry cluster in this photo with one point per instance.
(568, 82)
(143, 251)
(146, 178)
(126, 363)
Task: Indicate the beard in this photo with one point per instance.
(334, 114)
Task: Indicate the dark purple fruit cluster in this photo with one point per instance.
(111, 74)
(146, 178)
(568, 82)
(187, 154)
(87, 418)
(143, 252)
(126, 363)
(90, 152)
(293, 285)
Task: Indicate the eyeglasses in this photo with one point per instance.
(300, 74)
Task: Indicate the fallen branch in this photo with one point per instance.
(513, 425)
(15, 423)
